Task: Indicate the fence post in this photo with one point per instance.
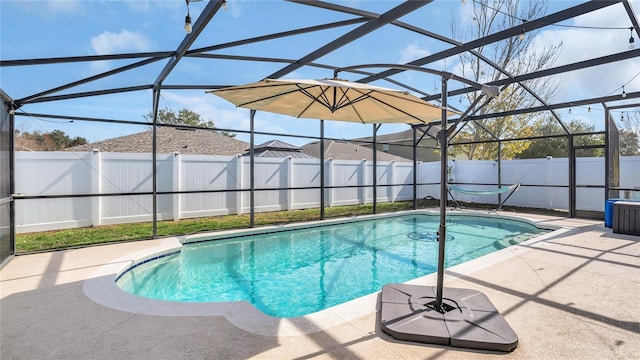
(420, 177)
(239, 182)
(96, 178)
(289, 182)
(177, 184)
(549, 180)
(362, 193)
(329, 182)
(391, 179)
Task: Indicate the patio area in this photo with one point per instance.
(572, 294)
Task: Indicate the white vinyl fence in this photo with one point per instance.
(67, 173)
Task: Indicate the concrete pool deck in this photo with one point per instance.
(574, 294)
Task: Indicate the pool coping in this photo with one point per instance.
(101, 288)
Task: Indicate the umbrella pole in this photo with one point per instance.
(442, 231)
(252, 192)
(322, 164)
(415, 169)
(375, 170)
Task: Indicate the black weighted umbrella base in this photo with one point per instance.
(467, 319)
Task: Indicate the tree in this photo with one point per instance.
(559, 146)
(39, 141)
(517, 56)
(184, 117)
(629, 143)
(630, 134)
(506, 127)
(63, 141)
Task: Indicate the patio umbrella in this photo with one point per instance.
(478, 325)
(332, 99)
(341, 100)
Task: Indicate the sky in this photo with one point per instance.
(61, 28)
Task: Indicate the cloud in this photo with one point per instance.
(124, 41)
(224, 114)
(412, 52)
(96, 67)
(139, 5)
(63, 7)
(114, 43)
(52, 8)
(416, 50)
(154, 5)
(589, 36)
(579, 44)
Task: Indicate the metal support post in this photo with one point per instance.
(415, 169)
(322, 170)
(252, 173)
(442, 231)
(375, 168)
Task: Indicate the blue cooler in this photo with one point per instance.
(608, 212)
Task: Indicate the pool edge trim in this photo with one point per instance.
(101, 287)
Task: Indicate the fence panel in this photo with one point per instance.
(630, 176)
(125, 173)
(473, 171)
(384, 175)
(202, 172)
(403, 175)
(306, 173)
(429, 172)
(590, 172)
(269, 173)
(348, 173)
(532, 173)
(52, 173)
(68, 173)
(469, 172)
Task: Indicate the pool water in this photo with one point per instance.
(297, 272)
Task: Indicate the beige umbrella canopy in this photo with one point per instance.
(465, 317)
(332, 99)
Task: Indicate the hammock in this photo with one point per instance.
(503, 189)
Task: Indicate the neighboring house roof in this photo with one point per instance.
(343, 150)
(277, 144)
(279, 149)
(389, 138)
(169, 140)
(400, 143)
(403, 136)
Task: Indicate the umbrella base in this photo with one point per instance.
(469, 319)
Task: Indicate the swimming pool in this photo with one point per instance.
(299, 271)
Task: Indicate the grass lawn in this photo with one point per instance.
(63, 239)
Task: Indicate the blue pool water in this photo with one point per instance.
(297, 272)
